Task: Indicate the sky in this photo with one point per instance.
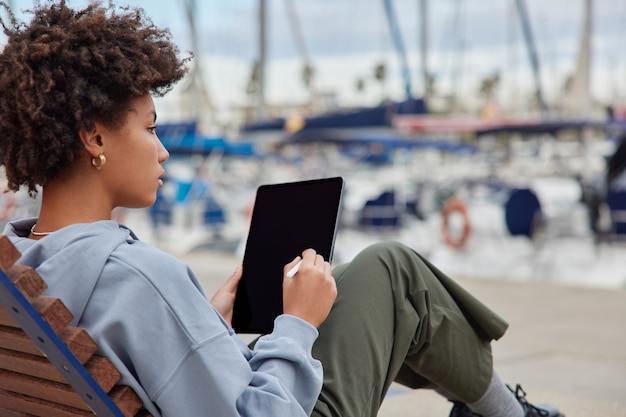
(467, 40)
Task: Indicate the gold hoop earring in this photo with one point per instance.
(98, 162)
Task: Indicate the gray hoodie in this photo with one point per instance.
(149, 315)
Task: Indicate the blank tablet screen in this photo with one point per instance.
(287, 219)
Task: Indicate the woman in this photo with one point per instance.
(78, 119)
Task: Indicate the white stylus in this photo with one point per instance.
(293, 270)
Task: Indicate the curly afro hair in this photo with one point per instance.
(65, 70)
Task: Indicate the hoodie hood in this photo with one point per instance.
(71, 259)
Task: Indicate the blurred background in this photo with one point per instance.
(486, 134)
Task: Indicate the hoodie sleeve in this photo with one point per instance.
(153, 320)
(215, 379)
(286, 352)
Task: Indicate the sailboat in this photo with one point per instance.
(380, 116)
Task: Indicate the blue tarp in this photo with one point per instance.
(182, 138)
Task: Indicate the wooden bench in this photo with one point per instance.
(48, 368)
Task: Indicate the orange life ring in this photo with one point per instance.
(455, 205)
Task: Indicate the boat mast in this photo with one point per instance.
(397, 40)
(579, 102)
(201, 107)
(260, 105)
(423, 18)
(532, 53)
(296, 31)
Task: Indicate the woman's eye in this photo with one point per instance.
(152, 130)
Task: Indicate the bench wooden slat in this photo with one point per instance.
(58, 390)
(60, 393)
(27, 280)
(54, 312)
(13, 338)
(31, 365)
(10, 413)
(37, 407)
(77, 339)
(100, 368)
(8, 253)
(103, 371)
(6, 319)
(126, 399)
(79, 342)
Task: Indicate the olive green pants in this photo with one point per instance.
(397, 318)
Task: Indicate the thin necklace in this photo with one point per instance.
(32, 232)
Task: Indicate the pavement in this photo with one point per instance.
(566, 345)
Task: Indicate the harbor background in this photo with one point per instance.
(476, 101)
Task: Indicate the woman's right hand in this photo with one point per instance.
(311, 292)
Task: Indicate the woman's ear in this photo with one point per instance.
(92, 140)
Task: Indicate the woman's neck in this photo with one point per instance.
(66, 202)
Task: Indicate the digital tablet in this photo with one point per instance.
(287, 219)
